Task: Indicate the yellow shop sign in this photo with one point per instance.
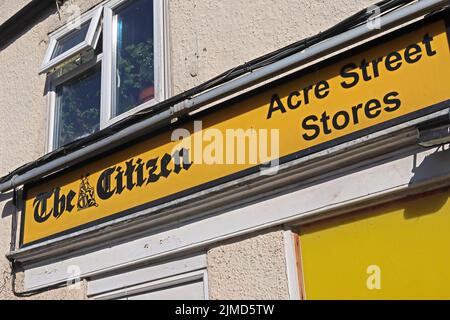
(399, 78)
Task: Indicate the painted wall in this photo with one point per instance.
(209, 37)
(250, 268)
(9, 7)
(392, 251)
(206, 38)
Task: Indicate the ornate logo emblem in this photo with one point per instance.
(86, 196)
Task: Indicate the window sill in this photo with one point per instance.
(133, 111)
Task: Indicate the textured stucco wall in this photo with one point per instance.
(9, 7)
(210, 37)
(207, 37)
(23, 105)
(250, 268)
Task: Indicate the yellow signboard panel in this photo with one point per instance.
(390, 82)
(394, 251)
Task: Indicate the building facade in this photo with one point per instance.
(100, 201)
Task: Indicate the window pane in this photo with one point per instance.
(135, 58)
(78, 107)
(69, 41)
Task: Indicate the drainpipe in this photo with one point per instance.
(164, 118)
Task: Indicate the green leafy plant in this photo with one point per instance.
(79, 108)
(136, 71)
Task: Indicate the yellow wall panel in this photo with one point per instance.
(402, 247)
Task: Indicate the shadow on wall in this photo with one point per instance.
(8, 208)
(23, 28)
(431, 166)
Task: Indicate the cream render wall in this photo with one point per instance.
(206, 38)
(251, 268)
(209, 37)
(9, 7)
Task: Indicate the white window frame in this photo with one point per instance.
(109, 54)
(89, 42)
(53, 83)
(106, 61)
